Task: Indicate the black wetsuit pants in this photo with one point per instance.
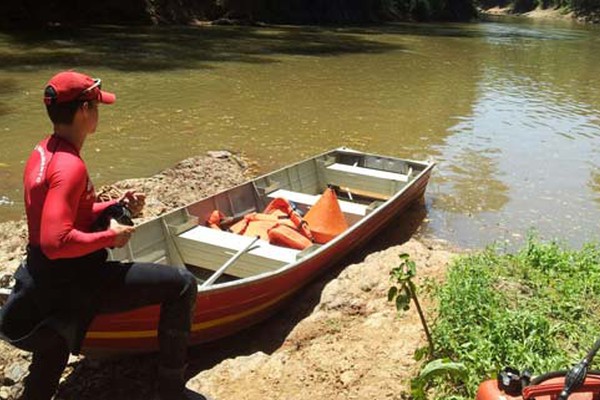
(130, 286)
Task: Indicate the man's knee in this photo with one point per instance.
(52, 343)
(190, 285)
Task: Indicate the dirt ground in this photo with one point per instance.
(339, 339)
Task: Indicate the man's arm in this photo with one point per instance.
(100, 206)
(58, 237)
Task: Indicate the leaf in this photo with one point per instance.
(420, 353)
(442, 367)
(402, 301)
(404, 256)
(392, 293)
(412, 268)
(417, 389)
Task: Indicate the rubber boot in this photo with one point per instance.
(171, 385)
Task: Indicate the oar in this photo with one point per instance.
(229, 263)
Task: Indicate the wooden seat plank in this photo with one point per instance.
(232, 241)
(375, 173)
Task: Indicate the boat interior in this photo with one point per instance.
(182, 238)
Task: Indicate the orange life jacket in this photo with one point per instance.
(214, 221)
(279, 224)
(283, 235)
(282, 205)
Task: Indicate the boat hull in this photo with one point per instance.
(228, 309)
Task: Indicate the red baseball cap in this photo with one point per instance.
(69, 86)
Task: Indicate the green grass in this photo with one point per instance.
(537, 309)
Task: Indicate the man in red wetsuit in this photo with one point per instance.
(66, 279)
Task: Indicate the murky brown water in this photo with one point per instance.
(510, 110)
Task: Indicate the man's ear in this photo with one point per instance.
(82, 111)
(86, 107)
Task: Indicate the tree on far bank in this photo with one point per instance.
(44, 12)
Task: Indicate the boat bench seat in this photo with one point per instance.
(369, 182)
(373, 173)
(210, 248)
(347, 207)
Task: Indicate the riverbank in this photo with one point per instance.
(554, 14)
(339, 339)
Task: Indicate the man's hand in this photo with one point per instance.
(134, 201)
(123, 232)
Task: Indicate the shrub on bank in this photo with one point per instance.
(536, 309)
(579, 7)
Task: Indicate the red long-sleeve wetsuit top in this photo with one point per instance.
(60, 202)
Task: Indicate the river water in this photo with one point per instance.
(510, 110)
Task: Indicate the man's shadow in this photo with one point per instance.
(133, 377)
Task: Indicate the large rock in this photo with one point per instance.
(15, 372)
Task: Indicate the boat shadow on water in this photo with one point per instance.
(132, 377)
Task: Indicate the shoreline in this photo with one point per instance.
(550, 14)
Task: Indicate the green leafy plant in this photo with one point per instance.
(404, 290)
(534, 309)
(436, 368)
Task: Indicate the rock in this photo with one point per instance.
(347, 377)
(4, 392)
(16, 372)
(249, 364)
(73, 359)
(369, 284)
(14, 263)
(377, 320)
(5, 280)
(16, 392)
(219, 154)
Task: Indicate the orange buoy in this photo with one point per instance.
(325, 219)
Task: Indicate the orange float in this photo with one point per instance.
(325, 218)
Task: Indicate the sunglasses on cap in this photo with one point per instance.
(97, 84)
